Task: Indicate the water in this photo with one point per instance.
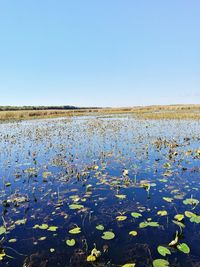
(47, 165)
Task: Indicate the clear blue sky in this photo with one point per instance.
(99, 52)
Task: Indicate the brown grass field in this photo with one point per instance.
(144, 112)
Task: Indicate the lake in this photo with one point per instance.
(100, 191)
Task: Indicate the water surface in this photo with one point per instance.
(107, 167)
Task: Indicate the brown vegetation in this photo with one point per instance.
(147, 112)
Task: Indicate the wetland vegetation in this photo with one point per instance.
(100, 190)
(145, 112)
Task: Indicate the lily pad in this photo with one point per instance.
(2, 230)
(162, 212)
(129, 265)
(136, 214)
(108, 235)
(91, 258)
(191, 201)
(179, 217)
(160, 263)
(70, 242)
(52, 228)
(146, 224)
(75, 230)
(133, 233)
(76, 206)
(183, 247)
(163, 251)
(168, 199)
(100, 227)
(121, 196)
(121, 218)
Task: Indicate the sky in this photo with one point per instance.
(99, 52)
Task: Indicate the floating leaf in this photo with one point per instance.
(52, 228)
(44, 226)
(13, 240)
(133, 233)
(179, 217)
(183, 247)
(96, 253)
(163, 251)
(166, 165)
(2, 255)
(121, 196)
(75, 230)
(168, 199)
(70, 242)
(2, 230)
(91, 258)
(136, 214)
(193, 217)
(160, 263)
(19, 222)
(191, 201)
(121, 218)
(76, 206)
(146, 224)
(108, 235)
(129, 265)
(42, 238)
(100, 227)
(162, 212)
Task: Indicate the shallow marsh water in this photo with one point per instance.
(118, 174)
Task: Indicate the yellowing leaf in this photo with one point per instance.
(133, 233)
(121, 218)
(75, 230)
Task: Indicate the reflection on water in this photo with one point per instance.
(117, 183)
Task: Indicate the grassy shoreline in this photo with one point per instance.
(146, 112)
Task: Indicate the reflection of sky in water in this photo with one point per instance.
(66, 147)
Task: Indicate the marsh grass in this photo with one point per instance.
(147, 112)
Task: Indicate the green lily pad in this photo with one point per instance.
(146, 224)
(136, 215)
(129, 265)
(163, 251)
(183, 247)
(2, 230)
(160, 263)
(13, 240)
(76, 206)
(179, 217)
(70, 242)
(121, 218)
(168, 199)
(52, 228)
(133, 233)
(191, 201)
(44, 226)
(121, 196)
(162, 212)
(100, 227)
(108, 235)
(193, 217)
(75, 230)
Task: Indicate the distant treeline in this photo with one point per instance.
(15, 108)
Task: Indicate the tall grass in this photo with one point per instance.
(148, 112)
